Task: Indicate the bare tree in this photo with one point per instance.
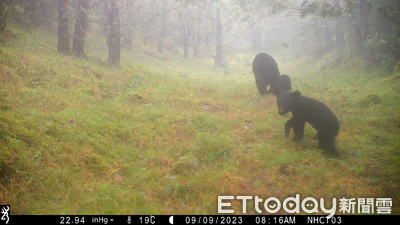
(128, 19)
(339, 36)
(197, 34)
(80, 29)
(163, 29)
(114, 50)
(364, 18)
(63, 28)
(219, 62)
(365, 27)
(184, 26)
(256, 39)
(3, 16)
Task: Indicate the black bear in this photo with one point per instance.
(314, 112)
(284, 83)
(266, 72)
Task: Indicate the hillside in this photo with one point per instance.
(164, 135)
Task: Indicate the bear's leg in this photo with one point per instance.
(326, 142)
(261, 86)
(298, 128)
(288, 126)
(272, 86)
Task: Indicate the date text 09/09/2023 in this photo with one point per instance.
(262, 220)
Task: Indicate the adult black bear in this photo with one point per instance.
(266, 72)
(314, 112)
(284, 83)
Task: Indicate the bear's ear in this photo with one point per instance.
(296, 94)
(277, 92)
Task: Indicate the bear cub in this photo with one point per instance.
(266, 72)
(314, 112)
(284, 83)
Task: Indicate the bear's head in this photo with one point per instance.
(286, 100)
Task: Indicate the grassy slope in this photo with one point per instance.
(161, 135)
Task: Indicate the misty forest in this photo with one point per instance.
(152, 107)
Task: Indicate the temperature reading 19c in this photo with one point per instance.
(147, 219)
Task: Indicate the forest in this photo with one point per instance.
(124, 107)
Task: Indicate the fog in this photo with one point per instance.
(218, 29)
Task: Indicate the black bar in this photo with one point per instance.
(200, 219)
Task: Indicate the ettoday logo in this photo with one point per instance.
(273, 205)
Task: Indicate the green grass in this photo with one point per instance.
(164, 135)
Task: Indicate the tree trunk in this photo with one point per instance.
(218, 51)
(185, 33)
(256, 39)
(340, 42)
(364, 18)
(327, 38)
(63, 28)
(163, 31)
(114, 52)
(3, 16)
(196, 46)
(365, 27)
(197, 35)
(127, 42)
(78, 45)
(187, 37)
(30, 11)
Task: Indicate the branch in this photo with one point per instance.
(151, 18)
(94, 5)
(223, 26)
(91, 21)
(126, 4)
